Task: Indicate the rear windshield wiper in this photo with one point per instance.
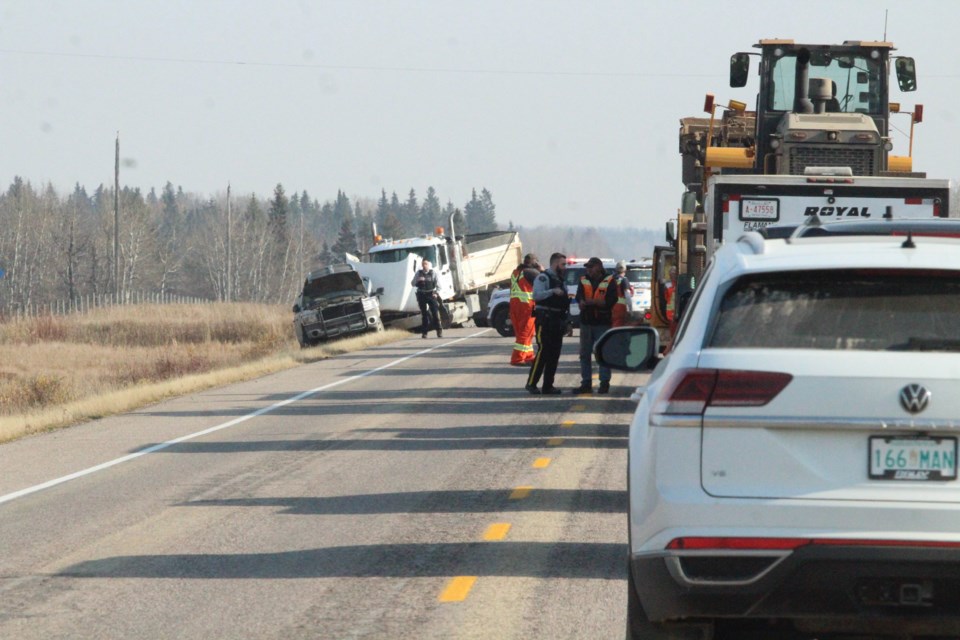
(926, 344)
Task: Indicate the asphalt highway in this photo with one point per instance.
(412, 490)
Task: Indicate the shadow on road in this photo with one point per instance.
(508, 559)
(436, 401)
(479, 501)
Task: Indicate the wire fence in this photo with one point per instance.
(84, 304)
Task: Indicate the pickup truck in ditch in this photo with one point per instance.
(335, 302)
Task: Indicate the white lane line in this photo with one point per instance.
(226, 425)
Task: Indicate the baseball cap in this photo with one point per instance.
(592, 262)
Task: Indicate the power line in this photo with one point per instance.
(331, 67)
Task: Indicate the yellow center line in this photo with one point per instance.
(554, 442)
(496, 531)
(541, 463)
(520, 493)
(567, 424)
(457, 589)
(578, 407)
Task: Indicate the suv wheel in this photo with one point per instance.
(501, 320)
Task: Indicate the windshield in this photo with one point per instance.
(856, 81)
(639, 276)
(399, 255)
(868, 310)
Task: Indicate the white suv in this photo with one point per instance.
(793, 460)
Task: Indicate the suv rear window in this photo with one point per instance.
(869, 310)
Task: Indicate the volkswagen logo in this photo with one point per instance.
(914, 398)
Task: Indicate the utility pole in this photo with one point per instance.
(229, 292)
(116, 222)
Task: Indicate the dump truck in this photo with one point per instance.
(334, 302)
(816, 146)
(469, 269)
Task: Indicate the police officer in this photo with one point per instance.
(425, 281)
(552, 305)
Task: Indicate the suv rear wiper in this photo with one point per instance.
(926, 344)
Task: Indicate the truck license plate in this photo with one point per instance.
(759, 209)
(893, 458)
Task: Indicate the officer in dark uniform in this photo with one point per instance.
(552, 306)
(425, 281)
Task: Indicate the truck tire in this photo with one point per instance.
(446, 321)
(501, 320)
(301, 339)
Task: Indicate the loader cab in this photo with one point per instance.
(823, 105)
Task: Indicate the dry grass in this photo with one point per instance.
(60, 370)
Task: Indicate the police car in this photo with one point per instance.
(793, 461)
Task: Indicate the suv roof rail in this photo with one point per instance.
(753, 240)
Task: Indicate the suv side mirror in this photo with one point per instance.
(739, 69)
(379, 291)
(906, 74)
(629, 348)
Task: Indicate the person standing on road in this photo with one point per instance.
(552, 306)
(596, 295)
(521, 310)
(425, 280)
(672, 300)
(621, 312)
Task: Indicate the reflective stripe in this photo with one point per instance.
(516, 287)
(525, 348)
(601, 291)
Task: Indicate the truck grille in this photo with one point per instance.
(860, 160)
(341, 310)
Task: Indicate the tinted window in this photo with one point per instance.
(872, 310)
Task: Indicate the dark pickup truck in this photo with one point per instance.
(334, 302)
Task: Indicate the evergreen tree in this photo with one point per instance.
(411, 214)
(473, 212)
(430, 214)
(488, 213)
(342, 209)
(448, 211)
(383, 208)
(325, 256)
(327, 223)
(392, 229)
(254, 212)
(279, 208)
(346, 240)
(397, 210)
(460, 223)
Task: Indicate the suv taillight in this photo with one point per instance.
(691, 391)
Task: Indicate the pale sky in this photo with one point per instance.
(567, 111)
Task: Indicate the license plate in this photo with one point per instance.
(759, 209)
(893, 458)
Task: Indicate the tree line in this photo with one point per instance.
(56, 247)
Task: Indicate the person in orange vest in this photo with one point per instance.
(596, 296)
(620, 312)
(521, 310)
(672, 300)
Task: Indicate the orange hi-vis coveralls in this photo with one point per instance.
(521, 316)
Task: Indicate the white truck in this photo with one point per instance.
(469, 268)
(738, 203)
